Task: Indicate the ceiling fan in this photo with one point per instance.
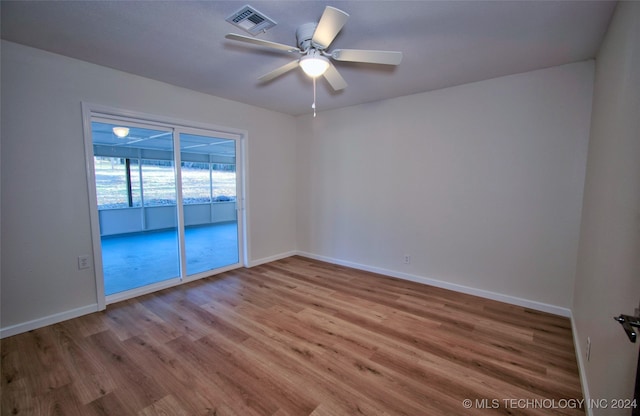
(313, 39)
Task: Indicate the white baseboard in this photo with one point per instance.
(557, 310)
(253, 263)
(526, 303)
(47, 320)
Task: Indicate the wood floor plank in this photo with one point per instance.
(106, 405)
(168, 406)
(294, 337)
(90, 379)
(232, 388)
(161, 364)
(136, 388)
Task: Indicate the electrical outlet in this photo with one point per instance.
(83, 262)
(588, 352)
(407, 259)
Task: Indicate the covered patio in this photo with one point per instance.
(133, 260)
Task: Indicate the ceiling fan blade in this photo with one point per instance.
(367, 56)
(279, 71)
(260, 42)
(335, 79)
(330, 24)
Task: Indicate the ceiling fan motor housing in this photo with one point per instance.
(304, 34)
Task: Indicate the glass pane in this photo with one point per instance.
(224, 182)
(209, 195)
(113, 177)
(196, 183)
(136, 192)
(158, 181)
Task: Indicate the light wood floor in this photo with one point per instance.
(295, 337)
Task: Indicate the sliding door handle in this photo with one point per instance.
(628, 324)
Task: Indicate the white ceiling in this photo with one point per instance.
(444, 43)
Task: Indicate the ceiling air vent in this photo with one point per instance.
(251, 20)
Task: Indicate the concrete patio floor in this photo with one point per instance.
(134, 260)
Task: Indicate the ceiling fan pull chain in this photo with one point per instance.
(314, 97)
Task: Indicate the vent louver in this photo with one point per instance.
(251, 20)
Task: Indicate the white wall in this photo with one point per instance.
(480, 184)
(45, 205)
(608, 271)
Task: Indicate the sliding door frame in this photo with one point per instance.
(95, 111)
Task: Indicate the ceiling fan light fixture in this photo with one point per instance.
(121, 132)
(314, 64)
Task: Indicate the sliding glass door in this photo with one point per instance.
(136, 196)
(166, 201)
(209, 202)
